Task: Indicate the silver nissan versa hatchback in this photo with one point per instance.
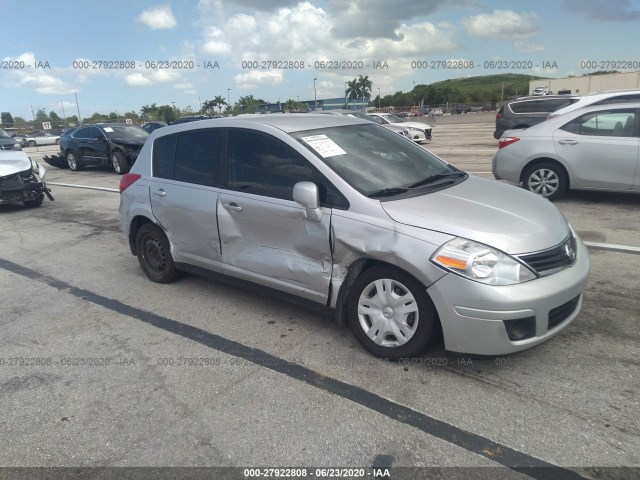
(345, 213)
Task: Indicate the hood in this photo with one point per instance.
(132, 144)
(502, 216)
(13, 161)
(421, 126)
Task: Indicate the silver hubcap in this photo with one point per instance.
(71, 160)
(116, 164)
(388, 313)
(544, 182)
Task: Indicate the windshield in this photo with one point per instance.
(371, 158)
(126, 132)
(4, 134)
(392, 118)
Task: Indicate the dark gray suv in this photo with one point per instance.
(524, 112)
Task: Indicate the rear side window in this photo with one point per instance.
(191, 157)
(541, 106)
(263, 165)
(604, 124)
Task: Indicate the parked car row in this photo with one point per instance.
(582, 143)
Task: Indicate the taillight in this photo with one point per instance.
(499, 115)
(127, 180)
(504, 141)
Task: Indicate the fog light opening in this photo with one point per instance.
(520, 328)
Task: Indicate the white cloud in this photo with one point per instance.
(528, 47)
(137, 80)
(502, 25)
(151, 77)
(158, 18)
(259, 77)
(44, 81)
(215, 42)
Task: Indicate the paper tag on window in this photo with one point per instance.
(324, 146)
(108, 129)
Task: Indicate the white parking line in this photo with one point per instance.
(71, 185)
(609, 247)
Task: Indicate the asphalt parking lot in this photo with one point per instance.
(102, 368)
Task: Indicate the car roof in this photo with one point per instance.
(539, 98)
(608, 93)
(287, 122)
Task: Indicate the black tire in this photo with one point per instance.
(119, 163)
(72, 161)
(154, 254)
(57, 141)
(546, 179)
(33, 203)
(418, 325)
(31, 143)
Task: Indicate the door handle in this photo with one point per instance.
(160, 193)
(233, 207)
(567, 142)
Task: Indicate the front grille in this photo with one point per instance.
(551, 260)
(561, 313)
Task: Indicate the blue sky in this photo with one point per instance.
(563, 33)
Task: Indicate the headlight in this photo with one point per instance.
(17, 146)
(481, 263)
(414, 129)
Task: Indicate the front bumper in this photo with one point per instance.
(20, 187)
(473, 314)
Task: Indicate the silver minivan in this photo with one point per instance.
(346, 214)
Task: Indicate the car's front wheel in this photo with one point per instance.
(31, 143)
(72, 161)
(546, 179)
(154, 254)
(120, 164)
(390, 313)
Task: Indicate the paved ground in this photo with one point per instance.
(100, 367)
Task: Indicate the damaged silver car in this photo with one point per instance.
(346, 214)
(21, 180)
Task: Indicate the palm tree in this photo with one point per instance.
(364, 84)
(353, 89)
(220, 102)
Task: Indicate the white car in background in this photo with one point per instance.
(418, 132)
(355, 114)
(600, 98)
(37, 140)
(593, 148)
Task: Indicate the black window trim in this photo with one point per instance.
(317, 176)
(220, 179)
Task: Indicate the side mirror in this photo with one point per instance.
(306, 194)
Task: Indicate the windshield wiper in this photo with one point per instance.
(435, 178)
(387, 192)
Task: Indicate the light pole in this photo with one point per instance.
(78, 108)
(63, 115)
(414, 94)
(228, 101)
(315, 96)
(378, 98)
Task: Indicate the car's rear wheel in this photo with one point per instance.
(154, 254)
(31, 143)
(120, 164)
(546, 179)
(72, 161)
(390, 313)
